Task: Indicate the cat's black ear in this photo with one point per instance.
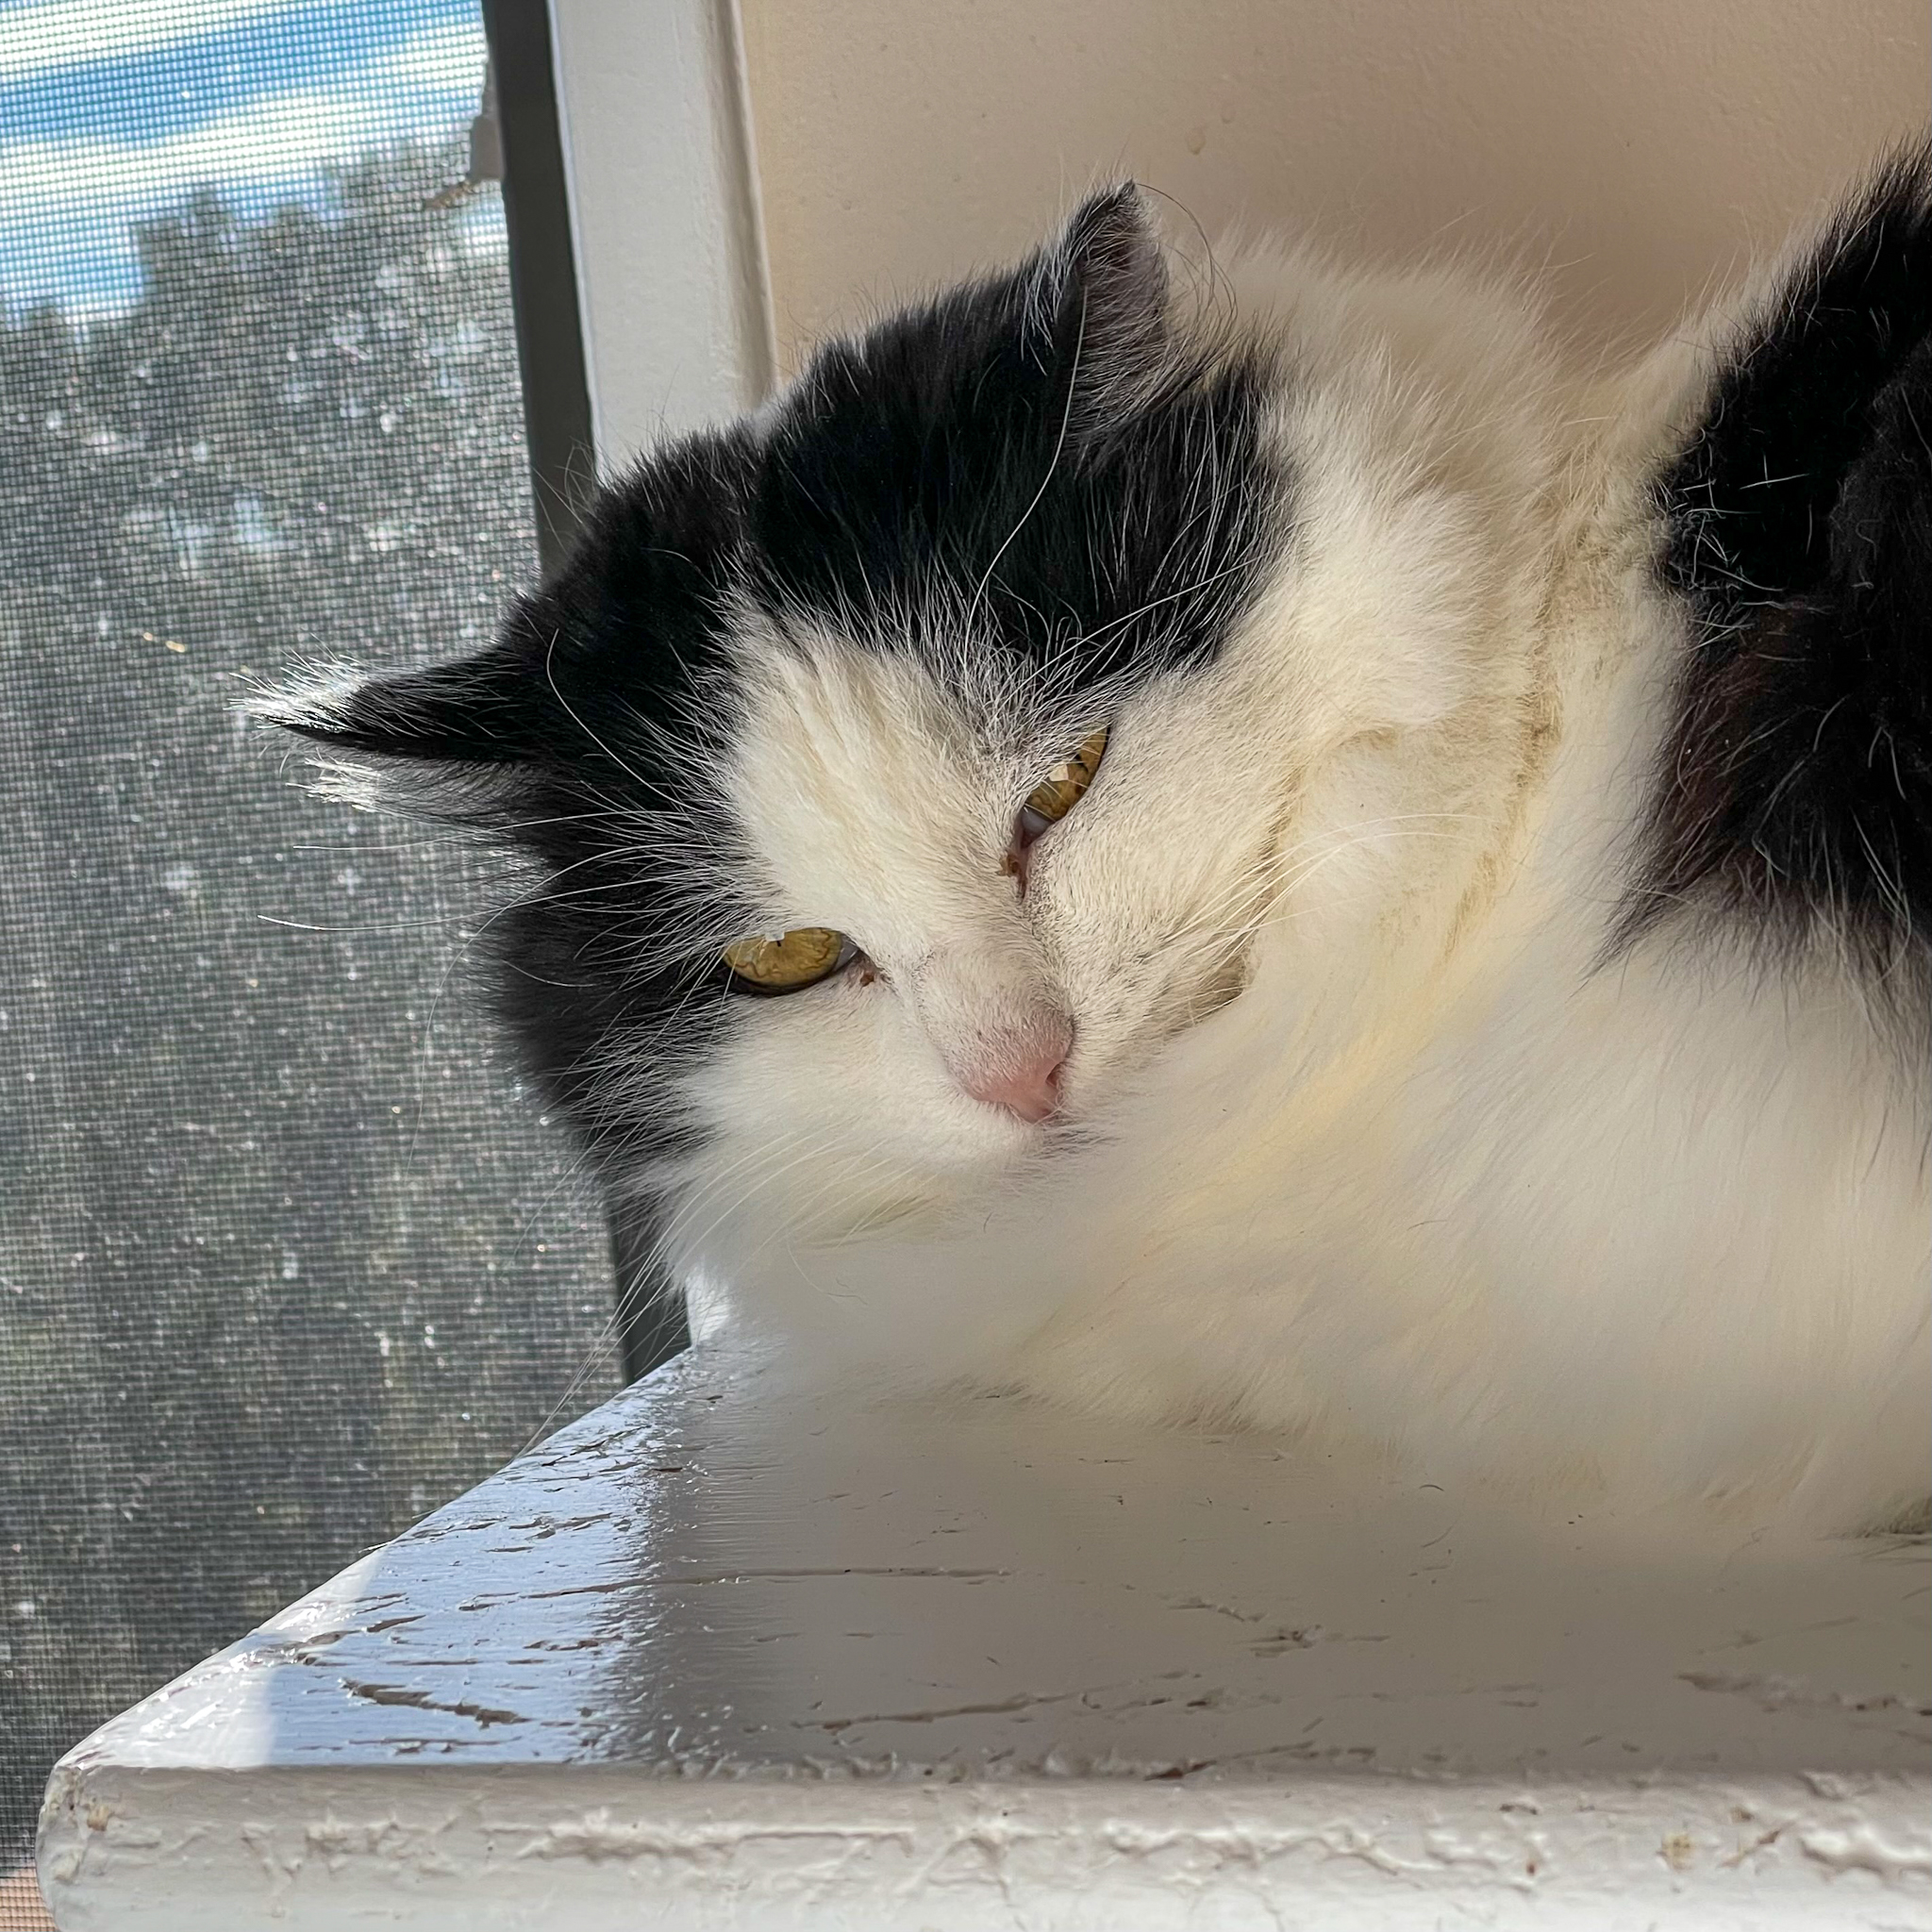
(1796, 784)
(477, 712)
(1100, 292)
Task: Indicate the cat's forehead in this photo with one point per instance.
(855, 776)
(944, 486)
(932, 479)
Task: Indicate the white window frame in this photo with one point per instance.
(674, 287)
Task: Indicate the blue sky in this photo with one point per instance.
(111, 110)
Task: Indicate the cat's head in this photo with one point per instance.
(901, 766)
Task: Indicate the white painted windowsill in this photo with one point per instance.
(712, 1658)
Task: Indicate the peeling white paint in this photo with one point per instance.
(715, 1660)
(1863, 1847)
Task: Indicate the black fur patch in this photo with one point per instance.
(1796, 791)
(1030, 461)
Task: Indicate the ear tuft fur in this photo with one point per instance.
(1100, 293)
(475, 711)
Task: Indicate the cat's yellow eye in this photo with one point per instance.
(1057, 794)
(800, 958)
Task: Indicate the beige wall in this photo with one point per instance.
(1636, 145)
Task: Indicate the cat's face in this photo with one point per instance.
(910, 765)
(1002, 962)
(932, 665)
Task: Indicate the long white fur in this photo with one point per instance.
(1361, 1138)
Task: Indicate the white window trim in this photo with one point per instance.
(673, 282)
(721, 1657)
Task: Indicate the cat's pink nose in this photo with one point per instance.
(1021, 1072)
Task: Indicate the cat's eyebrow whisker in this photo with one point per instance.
(1052, 465)
(550, 678)
(1208, 506)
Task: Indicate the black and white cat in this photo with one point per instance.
(1285, 860)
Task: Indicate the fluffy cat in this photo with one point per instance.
(1336, 875)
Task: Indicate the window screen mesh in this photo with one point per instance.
(286, 1256)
